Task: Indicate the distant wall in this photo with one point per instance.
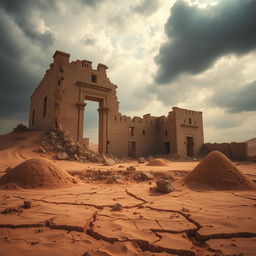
(234, 150)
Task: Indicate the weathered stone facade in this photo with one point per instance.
(59, 101)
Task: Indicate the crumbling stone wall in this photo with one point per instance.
(67, 85)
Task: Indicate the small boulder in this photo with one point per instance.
(27, 204)
(143, 176)
(116, 207)
(141, 160)
(164, 186)
(62, 156)
(108, 161)
(150, 158)
(131, 168)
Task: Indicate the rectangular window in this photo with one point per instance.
(45, 106)
(190, 121)
(166, 133)
(144, 132)
(131, 129)
(33, 117)
(94, 78)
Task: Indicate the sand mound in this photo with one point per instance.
(37, 173)
(159, 162)
(217, 172)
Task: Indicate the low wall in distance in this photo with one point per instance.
(234, 150)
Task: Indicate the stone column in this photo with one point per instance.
(80, 123)
(103, 129)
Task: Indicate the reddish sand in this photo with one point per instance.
(83, 219)
(217, 172)
(159, 162)
(37, 173)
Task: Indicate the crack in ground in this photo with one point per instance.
(143, 244)
(70, 194)
(204, 238)
(247, 197)
(80, 204)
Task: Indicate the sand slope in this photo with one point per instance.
(217, 172)
(37, 173)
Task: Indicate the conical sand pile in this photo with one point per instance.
(159, 162)
(217, 172)
(37, 173)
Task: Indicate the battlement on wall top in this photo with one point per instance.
(63, 57)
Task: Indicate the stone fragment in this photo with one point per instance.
(150, 158)
(131, 168)
(62, 156)
(108, 161)
(27, 204)
(164, 186)
(142, 176)
(141, 160)
(116, 207)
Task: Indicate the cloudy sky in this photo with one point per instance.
(197, 54)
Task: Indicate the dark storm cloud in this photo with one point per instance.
(91, 3)
(237, 100)
(146, 7)
(18, 49)
(21, 12)
(198, 37)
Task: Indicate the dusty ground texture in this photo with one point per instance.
(113, 213)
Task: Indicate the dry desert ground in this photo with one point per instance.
(109, 210)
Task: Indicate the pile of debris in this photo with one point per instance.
(57, 140)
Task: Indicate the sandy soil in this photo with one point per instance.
(84, 220)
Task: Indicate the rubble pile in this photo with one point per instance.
(57, 140)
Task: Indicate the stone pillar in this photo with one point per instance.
(103, 129)
(80, 124)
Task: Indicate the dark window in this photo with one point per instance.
(184, 121)
(94, 78)
(115, 118)
(131, 129)
(61, 69)
(33, 117)
(166, 133)
(190, 121)
(45, 106)
(144, 132)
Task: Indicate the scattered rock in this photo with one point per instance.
(185, 209)
(142, 176)
(42, 150)
(116, 207)
(57, 140)
(20, 128)
(164, 186)
(150, 158)
(131, 168)
(62, 156)
(27, 204)
(108, 161)
(11, 209)
(141, 160)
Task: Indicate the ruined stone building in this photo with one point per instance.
(59, 101)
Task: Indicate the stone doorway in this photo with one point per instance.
(166, 147)
(131, 149)
(101, 121)
(91, 125)
(190, 146)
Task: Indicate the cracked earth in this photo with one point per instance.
(82, 220)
